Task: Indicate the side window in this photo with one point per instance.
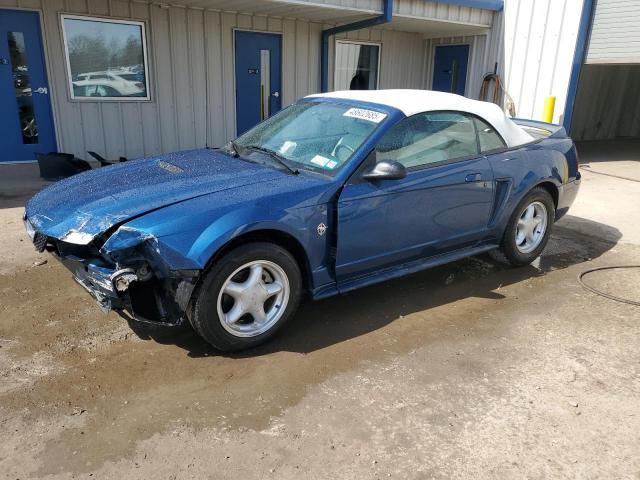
(489, 138)
(429, 138)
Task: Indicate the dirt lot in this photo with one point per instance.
(465, 371)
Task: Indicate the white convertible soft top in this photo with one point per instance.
(411, 102)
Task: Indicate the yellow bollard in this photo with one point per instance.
(549, 105)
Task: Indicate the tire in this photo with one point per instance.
(515, 250)
(233, 289)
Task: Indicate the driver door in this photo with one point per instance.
(442, 204)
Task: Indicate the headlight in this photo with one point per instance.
(77, 238)
(29, 227)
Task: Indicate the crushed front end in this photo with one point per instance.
(125, 270)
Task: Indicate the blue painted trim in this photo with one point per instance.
(578, 59)
(387, 15)
(495, 5)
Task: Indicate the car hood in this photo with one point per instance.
(80, 207)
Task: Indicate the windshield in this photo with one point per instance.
(314, 135)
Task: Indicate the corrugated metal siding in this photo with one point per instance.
(494, 54)
(375, 5)
(188, 51)
(312, 10)
(343, 10)
(615, 34)
(539, 42)
(402, 60)
(441, 11)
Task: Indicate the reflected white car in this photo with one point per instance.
(108, 84)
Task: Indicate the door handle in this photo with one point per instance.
(473, 177)
(41, 90)
(276, 94)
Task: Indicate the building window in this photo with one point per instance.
(106, 59)
(356, 66)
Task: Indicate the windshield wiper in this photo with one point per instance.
(275, 156)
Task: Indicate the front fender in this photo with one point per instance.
(193, 239)
(236, 224)
(193, 231)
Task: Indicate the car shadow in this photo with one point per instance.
(337, 319)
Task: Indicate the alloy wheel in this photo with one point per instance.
(253, 298)
(531, 227)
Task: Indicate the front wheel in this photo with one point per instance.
(247, 296)
(528, 230)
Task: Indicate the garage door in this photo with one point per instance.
(615, 35)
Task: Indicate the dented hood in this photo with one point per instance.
(80, 207)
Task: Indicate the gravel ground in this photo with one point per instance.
(465, 371)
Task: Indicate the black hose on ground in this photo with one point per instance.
(588, 169)
(604, 294)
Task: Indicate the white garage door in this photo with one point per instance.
(615, 35)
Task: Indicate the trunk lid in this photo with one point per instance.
(539, 129)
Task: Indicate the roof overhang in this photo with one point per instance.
(432, 28)
(298, 9)
(318, 11)
(494, 5)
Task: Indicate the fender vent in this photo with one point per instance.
(502, 192)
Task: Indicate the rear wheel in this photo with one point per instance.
(528, 230)
(247, 296)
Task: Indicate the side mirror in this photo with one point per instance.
(385, 170)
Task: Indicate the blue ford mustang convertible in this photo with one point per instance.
(335, 192)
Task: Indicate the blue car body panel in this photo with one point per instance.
(178, 211)
(428, 212)
(94, 202)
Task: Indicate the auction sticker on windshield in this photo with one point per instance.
(324, 162)
(363, 114)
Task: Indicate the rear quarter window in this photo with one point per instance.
(488, 137)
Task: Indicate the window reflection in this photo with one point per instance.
(22, 87)
(356, 66)
(106, 59)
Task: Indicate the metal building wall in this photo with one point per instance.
(187, 48)
(539, 43)
(442, 11)
(401, 56)
(374, 5)
(615, 34)
(342, 11)
(415, 8)
(494, 55)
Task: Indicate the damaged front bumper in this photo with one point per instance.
(148, 294)
(97, 280)
(146, 297)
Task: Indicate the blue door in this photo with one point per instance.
(428, 213)
(443, 204)
(26, 121)
(450, 68)
(258, 78)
